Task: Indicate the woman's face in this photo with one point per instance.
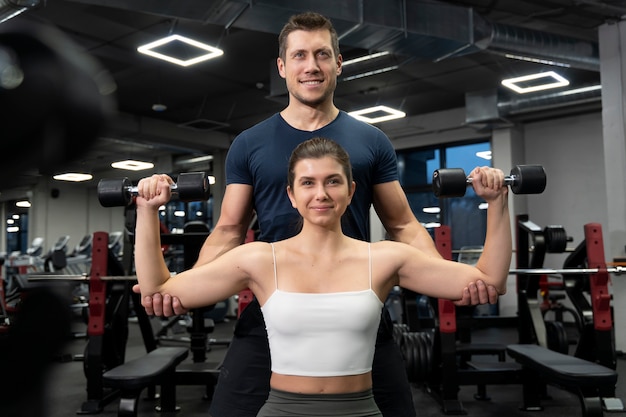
(321, 192)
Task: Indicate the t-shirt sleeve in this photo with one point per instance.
(387, 162)
(237, 163)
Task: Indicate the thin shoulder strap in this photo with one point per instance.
(274, 255)
(369, 251)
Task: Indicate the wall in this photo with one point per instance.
(75, 212)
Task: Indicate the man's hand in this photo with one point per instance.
(478, 293)
(161, 305)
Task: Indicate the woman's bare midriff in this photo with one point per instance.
(321, 385)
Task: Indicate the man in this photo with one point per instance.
(310, 62)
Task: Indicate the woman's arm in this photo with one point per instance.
(196, 287)
(446, 279)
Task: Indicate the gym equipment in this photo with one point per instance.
(189, 186)
(569, 271)
(590, 381)
(157, 367)
(524, 179)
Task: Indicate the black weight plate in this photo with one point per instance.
(529, 179)
(415, 363)
(192, 186)
(407, 354)
(419, 342)
(428, 347)
(114, 192)
(449, 182)
(557, 336)
(556, 239)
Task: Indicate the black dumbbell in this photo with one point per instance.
(524, 179)
(190, 186)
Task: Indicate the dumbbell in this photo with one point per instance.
(524, 179)
(190, 186)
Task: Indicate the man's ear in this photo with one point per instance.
(281, 67)
(339, 64)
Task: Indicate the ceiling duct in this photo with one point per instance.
(424, 29)
(526, 43)
(486, 107)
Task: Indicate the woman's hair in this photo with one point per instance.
(317, 148)
(308, 21)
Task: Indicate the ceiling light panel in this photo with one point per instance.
(180, 50)
(132, 165)
(377, 114)
(73, 177)
(535, 82)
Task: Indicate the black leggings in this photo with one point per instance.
(289, 404)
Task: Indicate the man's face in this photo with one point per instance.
(310, 68)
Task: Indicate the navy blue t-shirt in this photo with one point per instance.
(259, 156)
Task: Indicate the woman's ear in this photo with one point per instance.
(352, 189)
(291, 197)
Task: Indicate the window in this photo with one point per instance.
(466, 215)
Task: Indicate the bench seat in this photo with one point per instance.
(588, 380)
(155, 368)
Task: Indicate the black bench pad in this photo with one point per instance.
(146, 370)
(562, 369)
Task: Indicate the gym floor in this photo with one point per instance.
(66, 385)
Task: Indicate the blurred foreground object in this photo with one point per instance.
(55, 99)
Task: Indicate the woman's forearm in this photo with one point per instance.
(496, 257)
(150, 266)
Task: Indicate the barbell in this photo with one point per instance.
(523, 179)
(568, 271)
(189, 186)
(83, 277)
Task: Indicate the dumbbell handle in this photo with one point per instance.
(134, 190)
(508, 180)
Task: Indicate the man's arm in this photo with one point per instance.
(228, 233)
(395, 213)
(232, 224)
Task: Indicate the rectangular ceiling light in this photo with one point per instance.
(132, 165)
(377, 114)
(73, 177)
(535, 82)
(364, 58)
(175, 49)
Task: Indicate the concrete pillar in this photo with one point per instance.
(612, 69)
(612, 39)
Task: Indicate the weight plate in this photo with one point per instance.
(557, 337)
(114, 192)
(529, 179)
(192, 186)
(408, 354)
(416, 357)
(556, 239)
(449, 182)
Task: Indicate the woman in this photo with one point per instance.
(321, 292)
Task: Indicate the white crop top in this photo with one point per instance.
(322, 334)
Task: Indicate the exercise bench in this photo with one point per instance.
(591, 382)
(155, 368)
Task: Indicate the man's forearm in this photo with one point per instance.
(221, 240)
(414, 234)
